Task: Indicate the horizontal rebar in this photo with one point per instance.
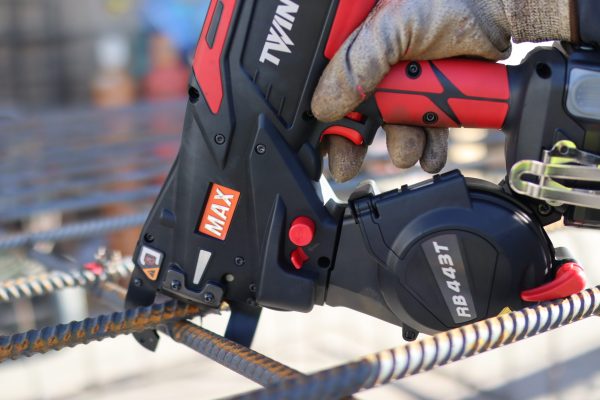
(74, 231)
(91, 201)
(434, 351)
(43, 284)
(246, 362)
(51, 191)
(93, 329)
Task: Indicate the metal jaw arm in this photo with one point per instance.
(563, 162)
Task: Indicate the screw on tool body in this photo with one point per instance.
(239, 261)
(219, 139)
(413, 70)
(209, 297)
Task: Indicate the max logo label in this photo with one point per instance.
(219, 211)
(278, 39)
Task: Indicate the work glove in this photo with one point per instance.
(423, 30)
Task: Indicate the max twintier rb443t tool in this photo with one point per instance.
(245, 218)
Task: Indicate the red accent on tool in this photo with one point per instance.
(490, 114)
(207, 61)
(570, 279)
(355, 116)
(410, 109)
(398, 80)
(349, 15)
(302, 231)
(405, 99)
(349, 133)
(298, 258)
(476, 78)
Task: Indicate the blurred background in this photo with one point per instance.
(92, 99)
(62, 53)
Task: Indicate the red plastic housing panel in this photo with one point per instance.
(479, 113)
(349, 15)
(476, 78)
(446, 93)
(207, 61)
(410, 109)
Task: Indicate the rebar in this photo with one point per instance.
(74, 231)
(79, 186)
(441, 349)
(246, 362)
(91, 201)
(110, 294)
(43, 284)
(93, 329)
(255, 366)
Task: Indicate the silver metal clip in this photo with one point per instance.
(563, 162)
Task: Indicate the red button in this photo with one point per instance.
(298, 258)
(302, 231)
(570, 279)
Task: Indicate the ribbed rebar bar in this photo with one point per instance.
(255, 366)
(88, 202)
(110, 294)
(246, 362)
(74, 231)
(93, 329)
(441, 349)
(42, 284)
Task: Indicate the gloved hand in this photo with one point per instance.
(423, 30)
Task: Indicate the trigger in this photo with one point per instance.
(351, 134)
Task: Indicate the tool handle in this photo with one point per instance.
(445, 93)
(442, 94)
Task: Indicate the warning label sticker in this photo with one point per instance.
(150, 261)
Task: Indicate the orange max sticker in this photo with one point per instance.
(219, 211)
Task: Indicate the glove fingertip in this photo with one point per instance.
(405, 144)
(345, 158)
(433, 166)
(436, 150)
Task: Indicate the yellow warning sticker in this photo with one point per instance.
(505, 310)
(151, 273)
